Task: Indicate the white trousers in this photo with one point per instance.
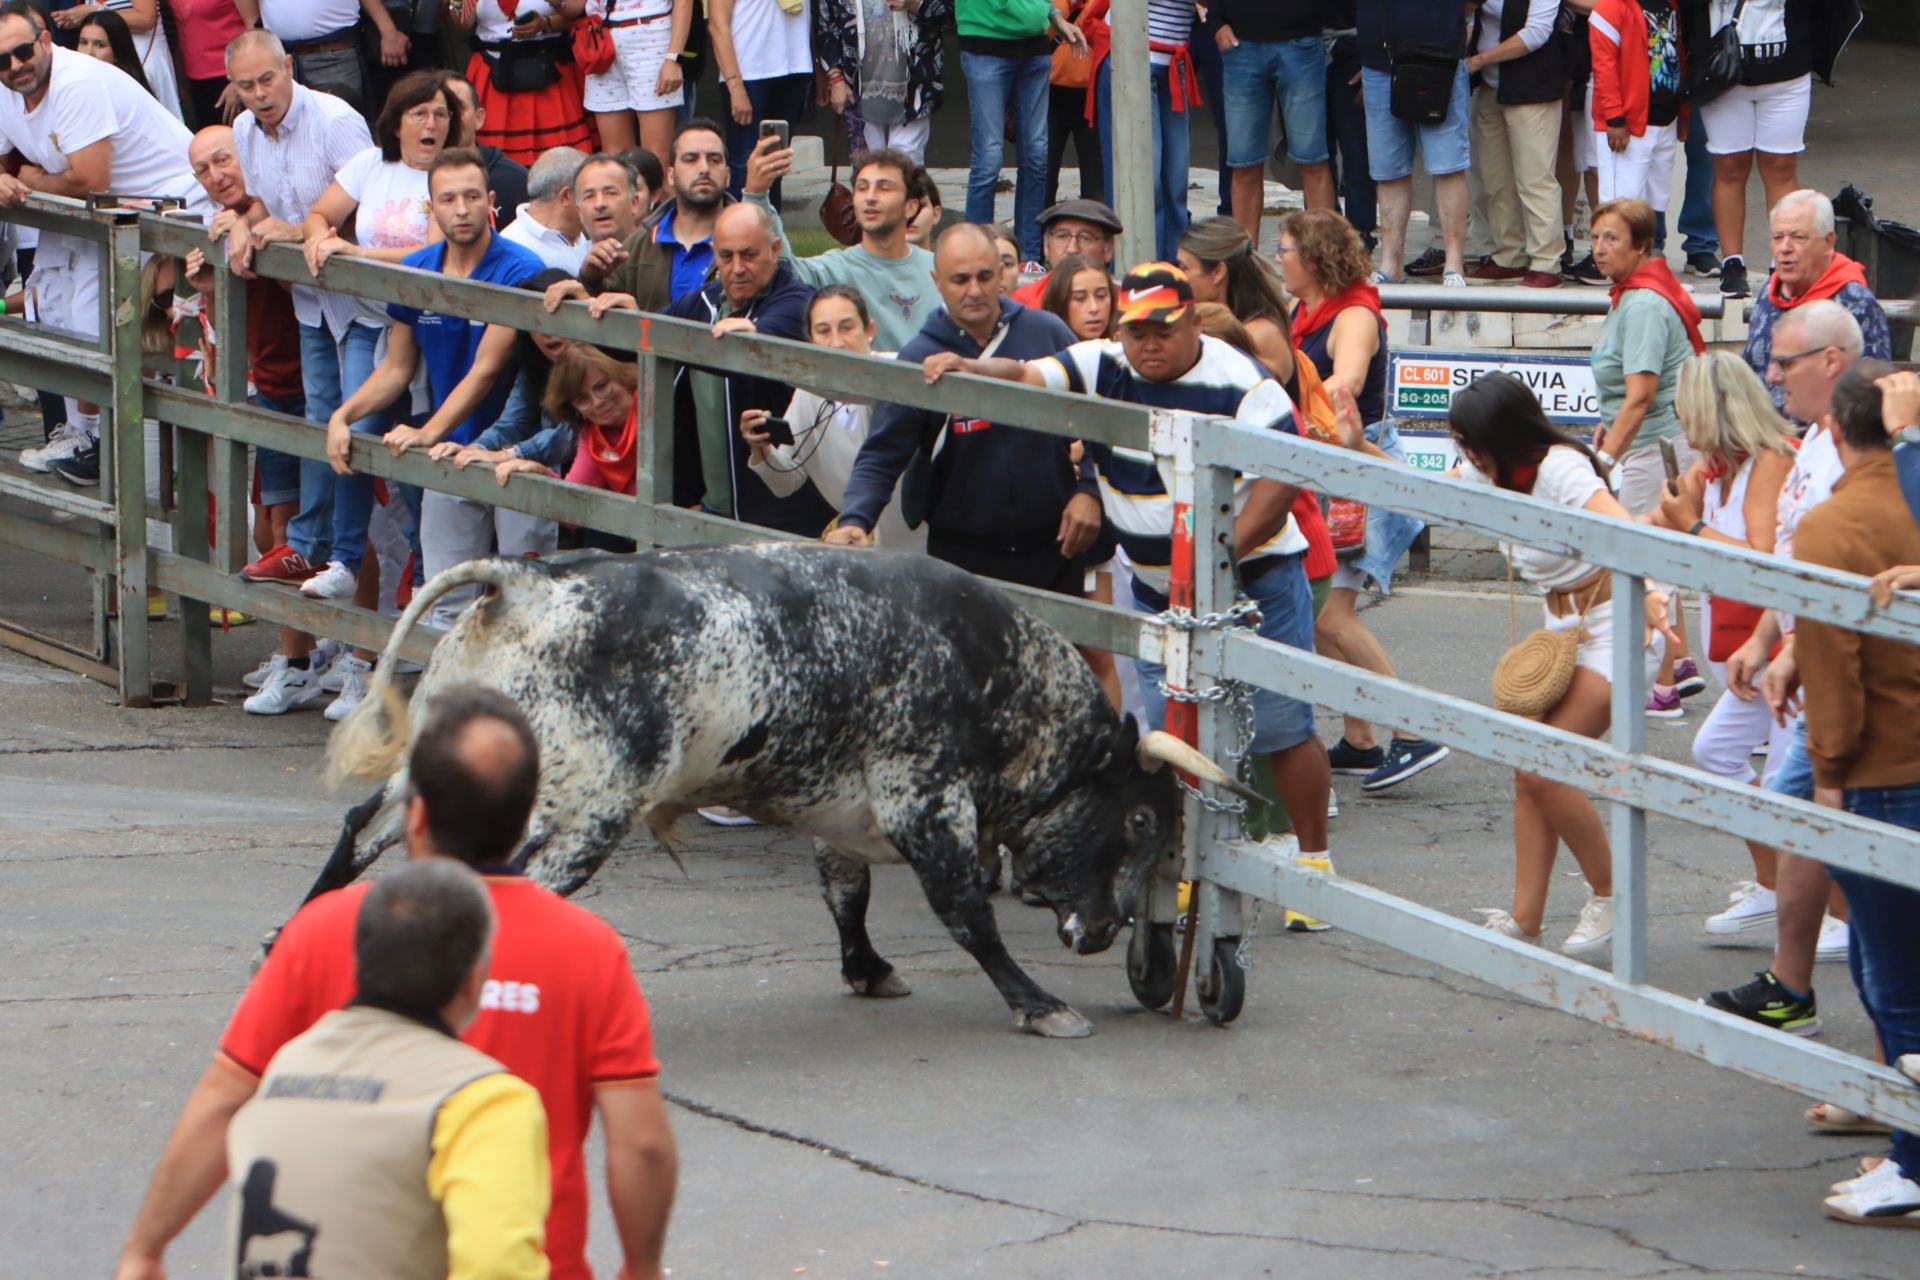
(1644, 171)
(454, 531)
(1733, 731)
(910, 137)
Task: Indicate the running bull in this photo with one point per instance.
(891, 706)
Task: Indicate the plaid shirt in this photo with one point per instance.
(290, 172)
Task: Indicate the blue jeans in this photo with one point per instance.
(278, 473)
(1286, 615)
(1883, 951)
(1697, 231)
(779, 98)
(1347, 131)
(310, 532)
(1172, 158)
(1389, 533)
(353, 495)
(1259, 73)
(993, 85)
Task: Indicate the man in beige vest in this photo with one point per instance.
(378, 1145)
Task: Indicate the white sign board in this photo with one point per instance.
(1422, 384)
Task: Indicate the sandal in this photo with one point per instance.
(1831, 1117)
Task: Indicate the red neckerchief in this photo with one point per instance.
(1521, 478)
(1656, 276)
(1840, 273)
(1307, 321)
(616, 456)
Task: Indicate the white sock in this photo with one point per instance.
(89, 423)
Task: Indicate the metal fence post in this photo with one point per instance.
(1629, 733)
(124, 463)
(1129, 64)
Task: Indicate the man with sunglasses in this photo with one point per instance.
(1806, 268)
(80, 127)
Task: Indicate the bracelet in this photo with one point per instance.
(1606, 457)
(1698, 525)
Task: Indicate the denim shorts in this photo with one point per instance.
(1257, 73)
(1794, 774)
(1286, 616)
(277, 475)
(1443, 147)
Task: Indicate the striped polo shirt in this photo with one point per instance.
(1223, 383)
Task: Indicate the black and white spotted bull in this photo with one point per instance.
(891, 706)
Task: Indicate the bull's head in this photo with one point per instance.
(1118, 812)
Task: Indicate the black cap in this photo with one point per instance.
(1100, 215)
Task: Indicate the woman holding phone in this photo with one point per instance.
(1652, 329)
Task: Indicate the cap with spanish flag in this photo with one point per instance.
(1157, 291)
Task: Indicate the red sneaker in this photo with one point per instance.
(1541, 280)
(283, 565)
(1488, 269)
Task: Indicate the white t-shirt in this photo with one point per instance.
(545, 243)
(297, 21)
(494, 24)
(88, 100)
(771, 42)
(627, 10)
(394, 210)
(1566, 478)
(1816, 469)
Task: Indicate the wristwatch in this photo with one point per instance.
(1606, 457)
(1907, 435)
(1698, 525)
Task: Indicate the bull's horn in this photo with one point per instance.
(1159, 748)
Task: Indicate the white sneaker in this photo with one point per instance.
(1453, 280)
(320, 662)
(1908, 1065)
(1502, 922)
(287, 689)
(353, 673)
(721, 816)
(1595, 929)
(258, 676)
(66, 441)
(1864, 1181)
(1884, 1202)
(335, 582)
(1333, 804)
(1834, 936)
(1752, 906)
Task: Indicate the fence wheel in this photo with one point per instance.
(1223, 986)
(1151, 964)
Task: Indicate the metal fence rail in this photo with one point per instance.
(214, 434)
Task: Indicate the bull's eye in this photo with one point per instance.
(1142, 819)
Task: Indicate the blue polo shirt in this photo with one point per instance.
(448, 343)
(690, 263)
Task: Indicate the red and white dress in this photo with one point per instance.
(528, 123)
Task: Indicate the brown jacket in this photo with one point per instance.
(1862, 692)
(647, 273)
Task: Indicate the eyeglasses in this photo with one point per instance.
(427, 115)
(1285, 249)
(20, 53)
(1784, 363)
(1078, 239)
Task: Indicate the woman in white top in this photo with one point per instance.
(1732, 495)
(827, 434)
(523, 74)
(383, 190)
(1505, 440)
(150, 51)
(636, 100)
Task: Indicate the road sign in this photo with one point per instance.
(1423, 383)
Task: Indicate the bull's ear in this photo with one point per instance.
(1129, 732)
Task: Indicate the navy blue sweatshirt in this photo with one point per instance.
(1005, 485)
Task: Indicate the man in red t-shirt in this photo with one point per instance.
(560, 1009)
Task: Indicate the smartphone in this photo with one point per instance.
(777, 431)
(1672, 462)
(777, 129)
(523, 17)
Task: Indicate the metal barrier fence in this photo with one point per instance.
(210, 455)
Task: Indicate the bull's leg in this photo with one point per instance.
(938, 836)
(564, 848)
(845, 883)
(348, 860)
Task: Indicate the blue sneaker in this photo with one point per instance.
(1406, 757)
(1358, 762)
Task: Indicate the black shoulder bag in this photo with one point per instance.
(1720, 64)
(1421, 78)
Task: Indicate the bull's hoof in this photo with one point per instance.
(1055, 1024)
(888, 986)
(266, 947)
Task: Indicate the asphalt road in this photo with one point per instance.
(1369, 1116)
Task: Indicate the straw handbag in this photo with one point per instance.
(1533, 676)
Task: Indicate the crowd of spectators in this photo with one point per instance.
(330, 126)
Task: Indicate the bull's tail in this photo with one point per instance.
(370, 741)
